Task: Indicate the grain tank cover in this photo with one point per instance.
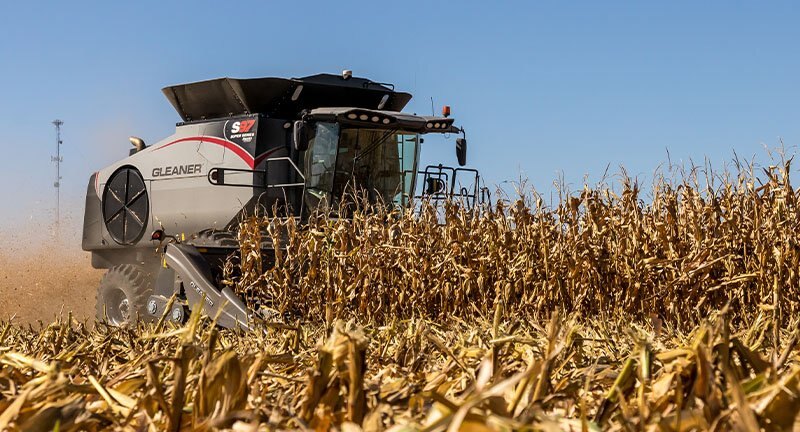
(280, 97)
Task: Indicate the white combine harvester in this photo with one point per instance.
(246, 144)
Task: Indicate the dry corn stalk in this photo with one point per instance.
(690, 249)
(335, 391)
(457, 316)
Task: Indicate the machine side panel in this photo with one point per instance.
(92, 217)
(273, 147)
(186, 203)
(175, 171)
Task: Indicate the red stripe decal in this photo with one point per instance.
(232, 146)
(265, 155)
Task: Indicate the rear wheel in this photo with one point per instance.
(122, 295)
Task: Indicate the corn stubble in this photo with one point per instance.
(600, 312)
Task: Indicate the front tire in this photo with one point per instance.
(122, 295)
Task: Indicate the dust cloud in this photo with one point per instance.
(44, 272)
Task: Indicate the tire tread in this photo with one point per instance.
(138, 288)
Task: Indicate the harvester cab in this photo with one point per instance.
(246, 146)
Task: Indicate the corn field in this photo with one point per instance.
(689, 251)
(609, 308)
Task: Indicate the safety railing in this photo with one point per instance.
(439, 183)
(260, 180)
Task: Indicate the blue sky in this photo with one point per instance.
(542, 88)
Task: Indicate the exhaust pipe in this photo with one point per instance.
(137, 143)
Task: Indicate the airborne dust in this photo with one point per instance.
(44, 274)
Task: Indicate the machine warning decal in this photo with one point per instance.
(177, 170)
(241, 131)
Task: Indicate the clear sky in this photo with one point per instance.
(542, 88)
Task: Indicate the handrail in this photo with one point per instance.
(216, 176)
(220, 175)
(291, 162)
(473, 194)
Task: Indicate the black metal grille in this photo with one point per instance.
(125, 206)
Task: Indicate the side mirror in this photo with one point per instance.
(461, 151)
(300, 135)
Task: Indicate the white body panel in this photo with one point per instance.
(175, 171)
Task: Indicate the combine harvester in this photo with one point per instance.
(248, 145)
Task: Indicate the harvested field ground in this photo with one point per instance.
(476, 376)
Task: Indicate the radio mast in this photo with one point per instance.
(58, 159)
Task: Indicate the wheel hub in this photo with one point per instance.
(118, 307)
(152, 307)
(177, 314)
(124, 309)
